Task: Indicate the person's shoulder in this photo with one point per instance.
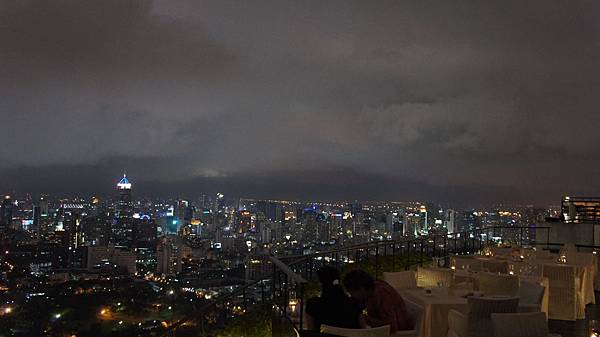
(352, 303)
(381, 285)
(314, 301)
(385, 292)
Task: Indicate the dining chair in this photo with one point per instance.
(416, 313)
(477, 320)
(466, 262)
(530, 296)
(431, 277)
(401, 279)
(564, 295)
(495, 284)
(499, 251)
(494, 266)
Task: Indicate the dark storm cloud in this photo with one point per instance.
(391, 99)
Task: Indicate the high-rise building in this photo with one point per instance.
(123, 230)
(580, 209)
(450, 220)
(6, 212)
(170, 252)
(43, 205)
(107, 256)
(144, 231)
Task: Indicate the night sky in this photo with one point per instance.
(454, 101)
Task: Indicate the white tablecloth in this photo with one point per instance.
(436, 307)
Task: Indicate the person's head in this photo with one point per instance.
(359, 284)
(329, 277)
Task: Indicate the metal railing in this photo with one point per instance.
(292, 274)
(285, 288)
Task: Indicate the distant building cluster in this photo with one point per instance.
(190, 250)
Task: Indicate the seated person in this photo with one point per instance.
(383, 303)
(333, 307)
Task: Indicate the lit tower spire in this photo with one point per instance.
(124, 183)
(123, 231)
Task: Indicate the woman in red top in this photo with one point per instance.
(383, 303)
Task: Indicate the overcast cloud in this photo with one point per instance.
(459, 102)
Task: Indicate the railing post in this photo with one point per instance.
(286, 299)
(446, 245)
(408, 256)
(434, 247)
(376, 261)
(273, 280)
(244, 298)
(393, 257)
(455, 250)
(548, 238)
(262, 290)
(421, 258)
(301, 307)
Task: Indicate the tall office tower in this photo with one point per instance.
(424, 225)
(36, 218)
(271, 210)
(219, 205)
(43, 205)
(580, 209)
(96, 228)
(144, 231)
(124, 213)
(450, 220)
(6, 212)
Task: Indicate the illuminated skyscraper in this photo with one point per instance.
(123, 230)
(581, 209)
(6, 212)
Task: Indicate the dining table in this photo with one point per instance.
(530, 265)
(436, 304)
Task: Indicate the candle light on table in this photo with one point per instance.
(594, 328)
(293, 303)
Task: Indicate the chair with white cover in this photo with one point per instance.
(494, 266)
(542, 254)
(569, 248)
(465, 262)
(530, 296)
(501, 251)
(431, 277)
(401, 280)
(589, 264)
(529, 324)
(477, 321)
(565, 299)
(382, 331)
(495, 284)
(416, 313)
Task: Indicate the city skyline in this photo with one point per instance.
(478, 103)
(107, 193)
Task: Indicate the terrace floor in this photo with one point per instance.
(578, 328)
